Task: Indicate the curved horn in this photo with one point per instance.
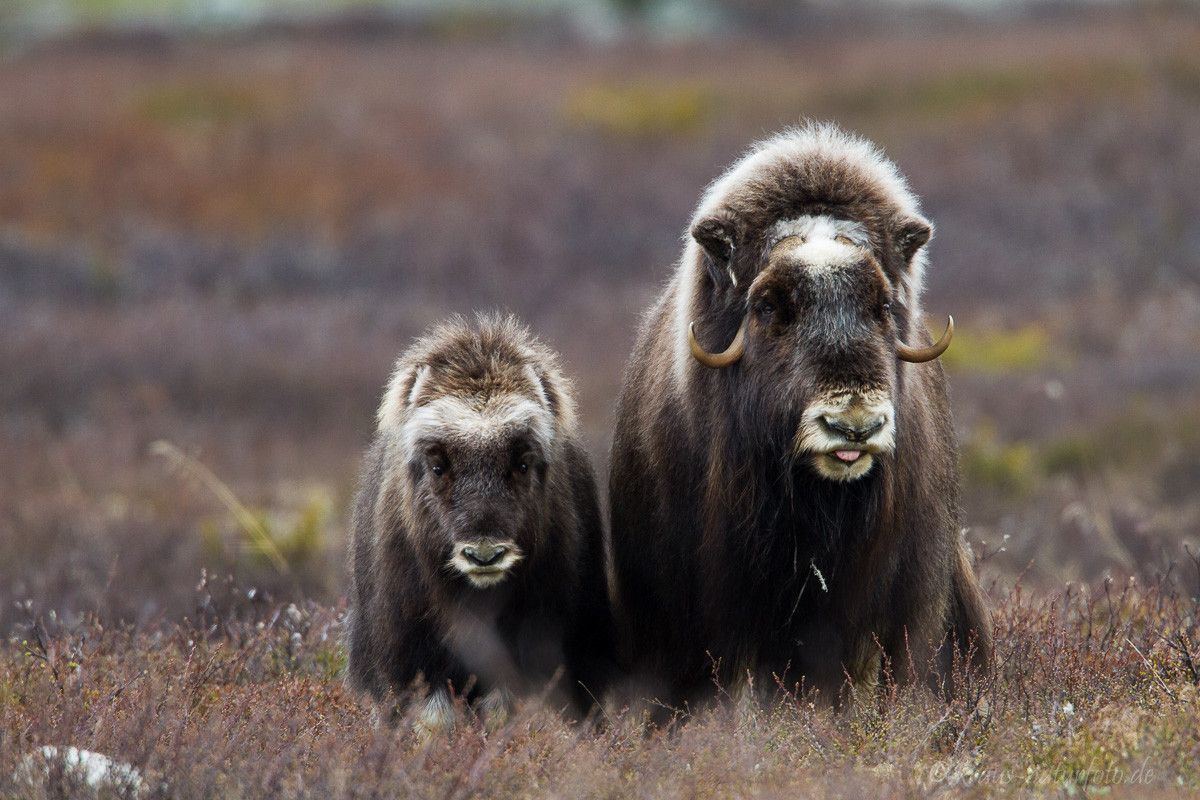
(731, 355)
(919, 355)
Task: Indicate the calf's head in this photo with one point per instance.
(477, 468)
(819, 341)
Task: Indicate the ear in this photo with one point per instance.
(912, 234)
(718, 235)
(401, 395)
(547, 394)
(554, 393)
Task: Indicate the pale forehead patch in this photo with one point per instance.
(820, 255)
(820, 243)
(813, 228)
(477, 424)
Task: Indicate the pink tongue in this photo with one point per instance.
(848, 455)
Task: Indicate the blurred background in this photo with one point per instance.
(222, 220)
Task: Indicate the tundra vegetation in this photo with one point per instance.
(222, 243)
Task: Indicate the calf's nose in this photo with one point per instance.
(484, 554)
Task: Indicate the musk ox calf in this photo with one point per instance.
(784, 480)
(477, 553)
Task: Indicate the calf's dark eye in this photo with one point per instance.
(438, 465)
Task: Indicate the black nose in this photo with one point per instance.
(854, 432)
(484, 555)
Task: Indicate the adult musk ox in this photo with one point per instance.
(784, 480)
(477, 557)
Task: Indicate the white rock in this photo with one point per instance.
(90, 769)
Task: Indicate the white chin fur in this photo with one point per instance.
(492, 574)
(831, 467)
(818, 443)
(483, 580)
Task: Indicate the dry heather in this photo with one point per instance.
(1096, 690)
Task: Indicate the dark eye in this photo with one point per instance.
(887, 308)
(521, 464)
(438, 464)
(765, 309)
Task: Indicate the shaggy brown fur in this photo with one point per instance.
(477, 558)
(793, 517)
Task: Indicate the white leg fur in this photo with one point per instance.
(437, 715)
